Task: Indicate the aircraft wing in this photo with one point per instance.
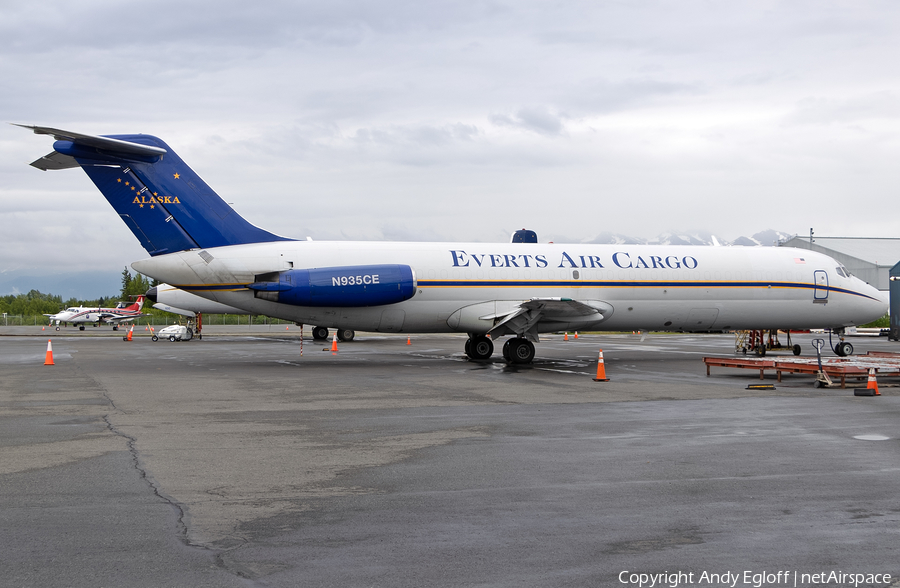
(524, 319)
(175, 310)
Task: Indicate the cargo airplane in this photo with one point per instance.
(199, 244)
(81, 315)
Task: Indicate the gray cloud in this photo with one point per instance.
(459, 120)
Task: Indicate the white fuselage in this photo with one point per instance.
(76, 315)
(462, 287)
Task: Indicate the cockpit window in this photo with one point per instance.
(842, 271)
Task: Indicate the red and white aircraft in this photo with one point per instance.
(80, 315)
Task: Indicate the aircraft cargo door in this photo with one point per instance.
(820, 294)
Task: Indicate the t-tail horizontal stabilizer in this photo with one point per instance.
(164, 203)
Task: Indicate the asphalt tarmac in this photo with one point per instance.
(235, 461)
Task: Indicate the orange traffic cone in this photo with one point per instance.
(287, 327)
(408, 342)
(576, 334)
(130, 331)
(43, 328)
(334, 344)
(49, 359)
(601, 369)
(873, 383)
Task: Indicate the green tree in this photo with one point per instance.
(126, 282)
(133, 286)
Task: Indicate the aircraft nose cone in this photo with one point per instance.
(151, 294)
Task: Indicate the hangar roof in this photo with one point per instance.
(875, 250)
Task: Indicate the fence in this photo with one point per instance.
(153, 320)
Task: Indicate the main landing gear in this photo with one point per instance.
(479, 347)
(321, 334)
(516, 350)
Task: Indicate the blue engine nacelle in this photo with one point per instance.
(345, 286)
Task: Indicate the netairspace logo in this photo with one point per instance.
(751, 578)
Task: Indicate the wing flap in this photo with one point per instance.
(523, 321)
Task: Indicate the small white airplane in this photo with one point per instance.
(81, 315)
(198, 243)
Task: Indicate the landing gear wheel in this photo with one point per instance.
(81, 328)
(797, 349)
(761, 351)
(154, 338)
(320, 333)
(519, 350)
(345, 335)
(479, 347)
(115, 327)
(843, 349)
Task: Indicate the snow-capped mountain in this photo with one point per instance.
(767, 238)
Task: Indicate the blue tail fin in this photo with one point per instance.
(164, 203)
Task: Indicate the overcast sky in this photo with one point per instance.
(460, 120)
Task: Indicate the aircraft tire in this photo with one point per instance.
(320, 333)
(346, 335)
(521, 351)
(154, 338)
(761, 351)
(81, 328)
(797, 349)
(844, 349)
(115, 327)
(480, 348)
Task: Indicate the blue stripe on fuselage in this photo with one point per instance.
(579, 284)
